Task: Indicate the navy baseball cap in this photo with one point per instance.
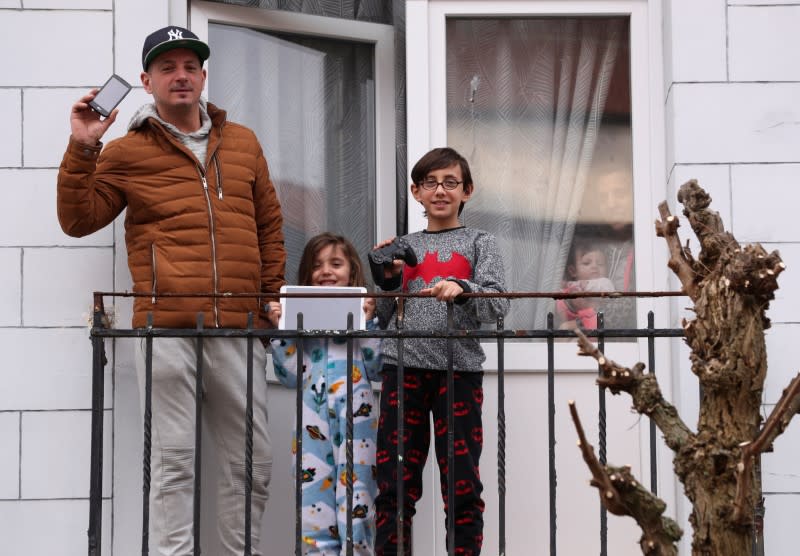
(170, 38)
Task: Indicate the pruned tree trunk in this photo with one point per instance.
(731, 287)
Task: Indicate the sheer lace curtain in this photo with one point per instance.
(525, 102)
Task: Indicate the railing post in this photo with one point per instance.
(248, 443)
(348, 448)
(451, 436)
(501, 437)
(651, 362)
(551, 430)
(401, 429)
(148, 434)
(601, 393)
(96, 457)
(198, 434)
(298, 455)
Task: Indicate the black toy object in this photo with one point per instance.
(381, 258)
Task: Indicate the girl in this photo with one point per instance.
(331, 260)
(587, 271)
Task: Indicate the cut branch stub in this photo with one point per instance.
(680, 260)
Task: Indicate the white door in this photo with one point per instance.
(558, 108)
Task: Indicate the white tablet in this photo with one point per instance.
(320, 313)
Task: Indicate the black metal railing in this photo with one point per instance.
(500, 335)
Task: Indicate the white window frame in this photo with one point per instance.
(379, 35)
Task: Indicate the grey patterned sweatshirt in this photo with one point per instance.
(471, 258)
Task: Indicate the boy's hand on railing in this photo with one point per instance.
(446, 290)
(274, 311)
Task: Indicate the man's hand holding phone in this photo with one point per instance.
(85, 122)
(86, 125)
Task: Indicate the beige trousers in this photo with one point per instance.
(224, 391)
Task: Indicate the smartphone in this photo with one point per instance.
(110, 95)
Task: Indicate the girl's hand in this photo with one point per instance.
(369, 308)
(274, 311)
(446, 290)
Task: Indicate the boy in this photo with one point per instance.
(452, 259)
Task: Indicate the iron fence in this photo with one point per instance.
(101, 331)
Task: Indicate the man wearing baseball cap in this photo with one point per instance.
(202, 218)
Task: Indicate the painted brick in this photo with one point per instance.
(11, 292)
(48, 368)
(83, 53)
(780, 533)
(67, 300)
(44, 145)
(66, 527)
(779, 467)
(764, 202)
(782, 365)
(69, 4)
(63, 437)
(763, 2)
(135, 19)
(10, 3)
(9, 455)
(739, 122)
(695, 39)
(30, 197)
(11, 130)
(783, 309)
(764, 44)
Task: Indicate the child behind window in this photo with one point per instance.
(331, 260)
(587, 271)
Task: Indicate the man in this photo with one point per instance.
(202, 217)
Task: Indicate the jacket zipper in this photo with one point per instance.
(219, 175)
(213, 242)
(155, 272)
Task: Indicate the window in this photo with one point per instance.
(540, 106)
(553, 102)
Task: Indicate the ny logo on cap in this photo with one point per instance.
(175, 34)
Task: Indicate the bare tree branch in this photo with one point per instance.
(644, 391)
(680, 260)
(782, 414)
(623, 495)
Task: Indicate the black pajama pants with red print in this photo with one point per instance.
(426, 393)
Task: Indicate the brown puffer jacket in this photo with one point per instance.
(187, 230)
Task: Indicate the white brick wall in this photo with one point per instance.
(733, 80)
(54, 50)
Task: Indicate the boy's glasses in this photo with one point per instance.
(449, 184)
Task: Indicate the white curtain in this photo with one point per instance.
(525, 102)
(311, 102)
